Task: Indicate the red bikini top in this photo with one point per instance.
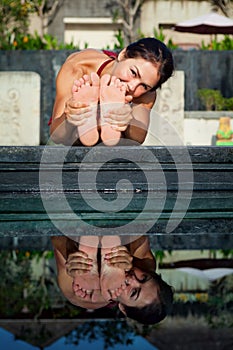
(112, 55)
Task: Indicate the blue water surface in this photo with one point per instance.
(8, 342)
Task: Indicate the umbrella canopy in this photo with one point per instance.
(211, 23)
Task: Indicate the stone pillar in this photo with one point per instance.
(167, 116)
(19, 109)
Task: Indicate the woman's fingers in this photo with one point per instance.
(77, 113)
(79, 256)
(119, 257)
(78, 263)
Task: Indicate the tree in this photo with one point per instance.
(47, 11)
(128, 11)
(14, 19)
(225, 6)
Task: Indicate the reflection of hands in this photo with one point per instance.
(78, 263)
(119, 257)
(114, 264)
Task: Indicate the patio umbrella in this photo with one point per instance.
(208, 274)
(211, 23)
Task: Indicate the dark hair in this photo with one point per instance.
(156, 52)
(157, 310)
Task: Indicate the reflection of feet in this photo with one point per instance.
(87, 90)
(85, 284)
(111, 278)
(112, 95)
(108, 242)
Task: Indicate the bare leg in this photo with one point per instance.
(87, 90)
(112, 95)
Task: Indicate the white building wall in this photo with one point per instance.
(201, 126)
(199, 132)
(155, 13)
(97, 33)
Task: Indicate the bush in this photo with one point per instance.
(213, 100)
(34, 42)
(225, 44)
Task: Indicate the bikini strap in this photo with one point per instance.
(112, 55)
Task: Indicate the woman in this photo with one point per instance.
(123, 85)
(125, 275)
(79, 263)
(145, 298)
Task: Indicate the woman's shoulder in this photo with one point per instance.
(86, 54)
(84, 61)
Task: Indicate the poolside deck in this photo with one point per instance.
(181, 196)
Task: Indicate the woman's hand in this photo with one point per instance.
(119, 118)
(77, 113)
(78, 263)
(119, 257)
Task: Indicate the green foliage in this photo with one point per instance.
(225, 44)
(160, 255)
(119, 45)
(161, 36)
(14, 28)
(228, 104)
(112, 333)
(227, 253)
(213, 100)
(20, 290)
(14, 276)
(14, 19)
(34, 42)
(220, 303)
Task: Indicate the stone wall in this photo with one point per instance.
(80, 8)
(202, 69)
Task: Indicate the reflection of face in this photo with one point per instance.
(138, 294)
(139, 75)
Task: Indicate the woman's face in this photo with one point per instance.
(138, 294)
(139, 75)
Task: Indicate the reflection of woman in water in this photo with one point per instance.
(99, 270)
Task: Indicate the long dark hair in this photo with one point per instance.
(156, 52)
(158, 309)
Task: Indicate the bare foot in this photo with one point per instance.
(87, 90)
(109, 242)
(112, 95)
(87, 283)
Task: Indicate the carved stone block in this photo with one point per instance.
(19, 109)
(167, 116)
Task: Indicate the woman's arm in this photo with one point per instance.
(133, 118)
(141, 251)
(61, 129)
(141, 109)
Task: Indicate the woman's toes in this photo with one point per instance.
(105, 79)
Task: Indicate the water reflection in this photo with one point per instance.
(95, 272)
(97, 335)
(36, 313)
